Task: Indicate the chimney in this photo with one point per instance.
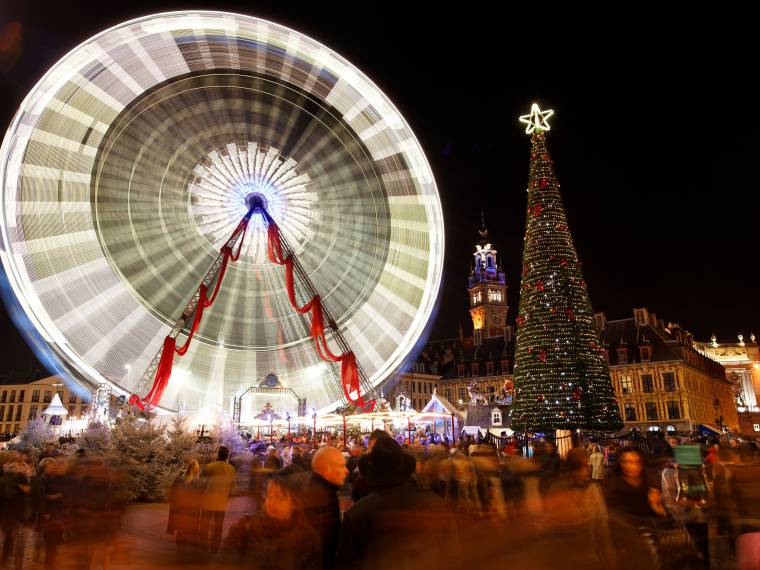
(653, 319)
(601, 321)
(641, 316)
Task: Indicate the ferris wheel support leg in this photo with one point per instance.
(350, 367)
(159, 368)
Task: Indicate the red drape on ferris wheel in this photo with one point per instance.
(165, 365)
(349, 370)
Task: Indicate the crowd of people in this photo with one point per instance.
(380, 502)
(51, 499)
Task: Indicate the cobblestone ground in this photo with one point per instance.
(143, 544)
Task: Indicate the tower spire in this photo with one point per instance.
(483, 231)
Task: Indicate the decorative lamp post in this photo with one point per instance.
(453, 429)
(287, 415)
(271, 429)
(314, 419)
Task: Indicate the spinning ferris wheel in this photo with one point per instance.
(213, 163)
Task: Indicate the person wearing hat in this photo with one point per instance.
(378, 532)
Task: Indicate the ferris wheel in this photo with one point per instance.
(179, 189)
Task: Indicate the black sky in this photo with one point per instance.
(654, 137)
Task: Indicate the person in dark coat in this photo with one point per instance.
(278, 537)
(185, 502)
(53, 489)
(380, 531)
(322, 506)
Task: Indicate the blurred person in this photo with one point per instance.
(549, 464)
(52, 490)
(15, 491)
(272, 460)
(632, 500)
(329, 473)
(575, 518)
(596, 461)
(360, 487)
(278, 537)
(490, 493)
(185, 502)
(466, 484)
(380, 531)
(218, 480)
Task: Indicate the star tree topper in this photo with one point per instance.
(537, 120)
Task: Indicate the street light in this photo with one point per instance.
(314, 418)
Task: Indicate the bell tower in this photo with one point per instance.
(487, 288)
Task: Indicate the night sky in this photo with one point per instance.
(654, 135)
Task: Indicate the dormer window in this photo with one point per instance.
(646, 353)
(489, 368)
(460, 370)
(476, 368)
(622, 354)
(496, 417)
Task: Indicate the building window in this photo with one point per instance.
(460, 370)
(674, 411)
(18, 413)
(651, 408)
(33, 413)
(72, 409)
(35, 395)
(669, 381)
(489, 368)
(630, 413)
(647, 383)
(447, 394)
(626, 384)
(494, 295)
(461, 394)
(2, 411)
(21, 395)
(9, 414)
(4, 398)
(646, 353)
(16, 428)
(622, 355)
(48, 396)
(496, 418)
(476, 368)
(83, 411)
(505, 366)
(13, 396)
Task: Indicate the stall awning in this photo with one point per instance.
(708, 429)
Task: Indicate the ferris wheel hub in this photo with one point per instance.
(256, 201)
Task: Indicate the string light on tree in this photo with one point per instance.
(562, 379)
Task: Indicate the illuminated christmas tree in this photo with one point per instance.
(562, 380)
